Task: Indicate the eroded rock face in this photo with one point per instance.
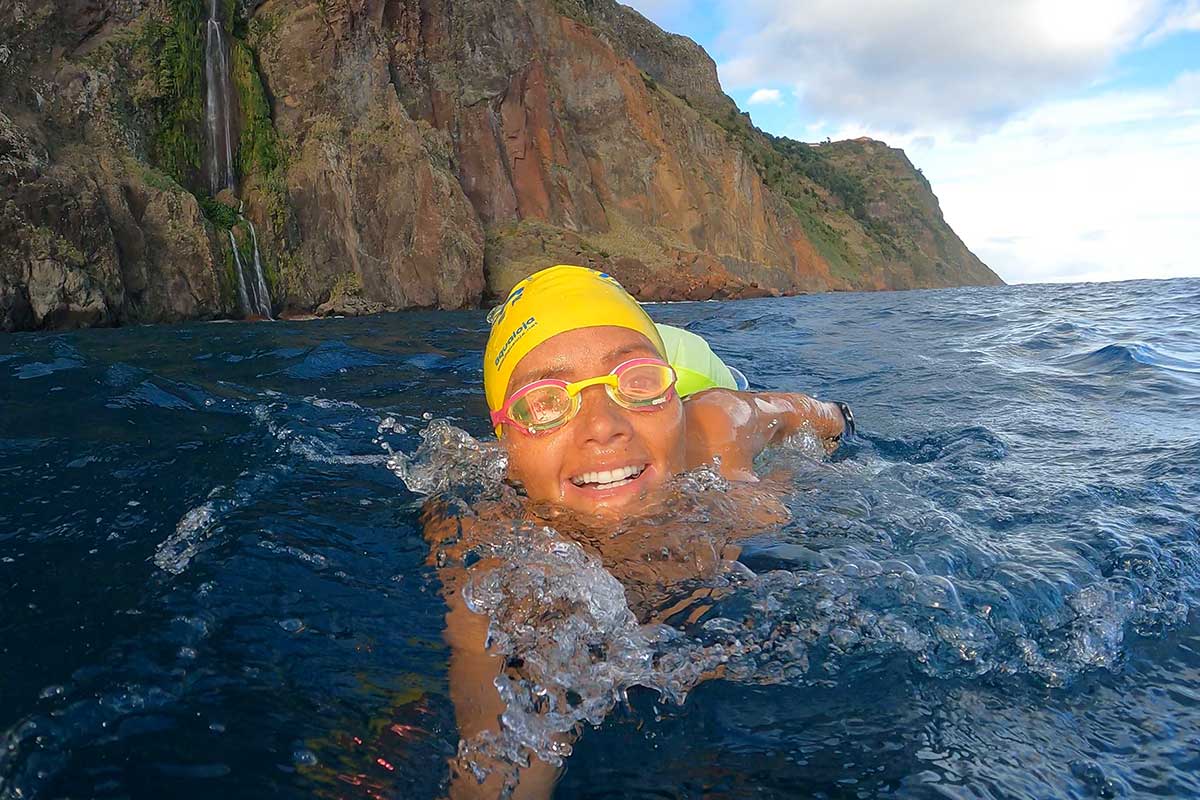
(88, 247)
(88, 234)
(430, 153)
(552, 126)
(371, 189)
(920, 249)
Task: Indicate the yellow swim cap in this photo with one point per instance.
(553, 301)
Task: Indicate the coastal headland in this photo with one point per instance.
(165, 160)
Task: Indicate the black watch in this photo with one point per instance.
(847, 416)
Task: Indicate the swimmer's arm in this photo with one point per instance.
(783, 414)
(472, 669)
(734, 427)
(477, 704)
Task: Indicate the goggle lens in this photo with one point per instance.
(644, 384)
(542, 407)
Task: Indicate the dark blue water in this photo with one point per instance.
(211, 584)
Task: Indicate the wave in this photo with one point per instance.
(1124, 357)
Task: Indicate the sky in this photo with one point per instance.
(1062, 137)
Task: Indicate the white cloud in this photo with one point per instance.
(1178, 20)
(1100, 188)
(1043, 172)
(764, 97)
(968, 63)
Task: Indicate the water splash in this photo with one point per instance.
(197, 526)
(450, 459)
(579, 619)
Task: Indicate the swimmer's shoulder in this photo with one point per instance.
(722, 426)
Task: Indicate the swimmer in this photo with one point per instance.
(595, 414)
(598, 408)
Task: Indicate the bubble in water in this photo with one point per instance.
(391, 425)
(54, 690)
(292, 625)
(1092, 776)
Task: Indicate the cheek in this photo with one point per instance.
(536, 462)
(663, 432)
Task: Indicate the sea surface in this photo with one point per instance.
(214, 583)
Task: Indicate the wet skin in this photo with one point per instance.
(717, 426)
(603, 436)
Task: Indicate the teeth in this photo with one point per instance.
(609, 478)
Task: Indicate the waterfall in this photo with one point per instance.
(218, 106)
(243, 300)
(253, 297)
(262, 296)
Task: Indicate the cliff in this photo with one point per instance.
(413, 153)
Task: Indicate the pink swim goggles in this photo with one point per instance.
(640, 384)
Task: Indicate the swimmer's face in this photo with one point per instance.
(560, 466)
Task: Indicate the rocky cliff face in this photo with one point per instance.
(89, 234)
(400, 153)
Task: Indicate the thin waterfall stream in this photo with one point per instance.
(243, 297)
(254, 299)
(218, 104)
(260, 284)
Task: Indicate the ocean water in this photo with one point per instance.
(213, 579)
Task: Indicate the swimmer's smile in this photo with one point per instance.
(610, 482)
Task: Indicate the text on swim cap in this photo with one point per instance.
(521, 330)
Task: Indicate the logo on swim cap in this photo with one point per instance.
(512, 339)
(496, 315)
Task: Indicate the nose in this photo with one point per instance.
(601, 421)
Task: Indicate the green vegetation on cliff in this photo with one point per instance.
(173, 93)
(217, 212)
(228, 278)
(790, 168)
(170, 94)
(258, 144)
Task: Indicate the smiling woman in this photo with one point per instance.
(574, 465)
(588, 402)
(581, 390)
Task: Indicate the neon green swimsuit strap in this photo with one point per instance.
(696, 366)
